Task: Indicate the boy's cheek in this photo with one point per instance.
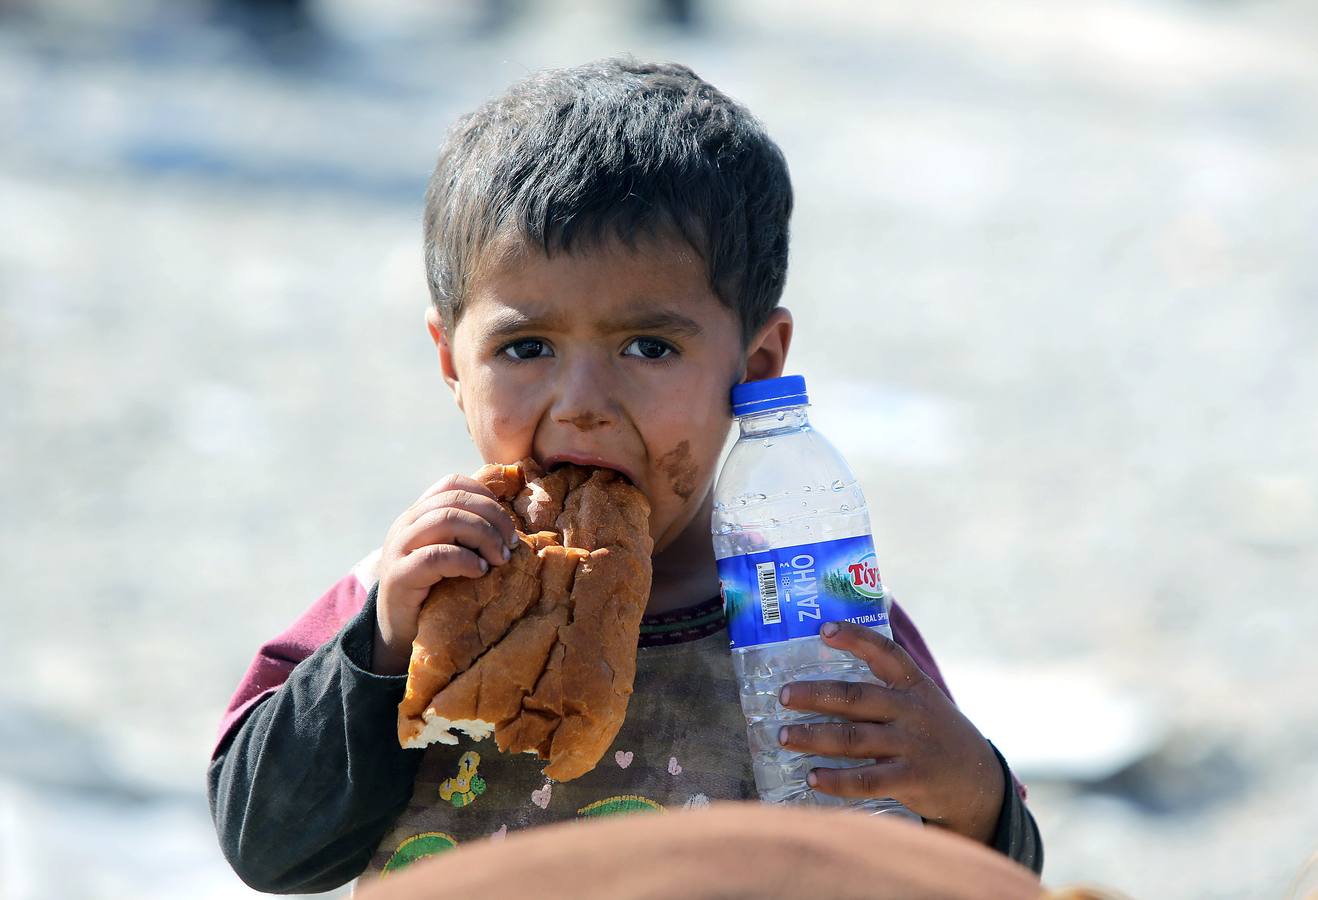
(496, 448)
(501, 430)
(679, 470)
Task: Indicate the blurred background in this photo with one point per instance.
(1056, 288)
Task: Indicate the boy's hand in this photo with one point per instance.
(456, 529)
(924, 752)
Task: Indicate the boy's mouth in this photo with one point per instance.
(550, 463)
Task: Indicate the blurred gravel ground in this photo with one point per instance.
(1056, 288)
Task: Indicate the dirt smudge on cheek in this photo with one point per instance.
(680, 470)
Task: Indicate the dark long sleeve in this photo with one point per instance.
(312, 779)
(1016, 835)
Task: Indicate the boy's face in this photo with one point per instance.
(610, 357)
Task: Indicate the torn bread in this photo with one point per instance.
(541, 651)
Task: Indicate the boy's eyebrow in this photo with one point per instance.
(662, 320)
(510, 321)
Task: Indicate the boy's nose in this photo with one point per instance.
(584, 413)
(586, 421)
(583, 400)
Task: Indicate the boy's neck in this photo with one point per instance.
(685, 572)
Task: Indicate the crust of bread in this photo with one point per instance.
(541, 651)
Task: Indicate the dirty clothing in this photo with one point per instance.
(309, 788)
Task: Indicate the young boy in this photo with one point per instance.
(606, 247)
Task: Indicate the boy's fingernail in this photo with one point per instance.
(507, 554)
(485, 567)
(812, 779)
(785, 694)
(829, 629)
(782, 736)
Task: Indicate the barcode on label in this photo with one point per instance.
(767, 573)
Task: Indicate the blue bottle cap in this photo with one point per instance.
(772, 393)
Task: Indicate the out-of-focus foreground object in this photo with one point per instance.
(1305, 886)
(780, 852)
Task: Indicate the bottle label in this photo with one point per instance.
(777, 595)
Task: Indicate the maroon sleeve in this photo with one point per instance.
(278, 656)
(908, 638)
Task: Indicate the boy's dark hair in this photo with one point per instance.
(615, 149)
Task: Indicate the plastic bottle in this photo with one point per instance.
(794, 548)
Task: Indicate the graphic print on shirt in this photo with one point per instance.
(466, 786)
(417, 847)
(696, 801)
(613, 806)
(541, 797)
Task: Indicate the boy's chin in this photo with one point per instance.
(689, 525)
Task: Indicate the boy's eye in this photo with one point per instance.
(649, 348)
(527, 348)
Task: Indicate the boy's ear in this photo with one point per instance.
(766, 354)
(438, 334)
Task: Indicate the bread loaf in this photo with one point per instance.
(541, 651)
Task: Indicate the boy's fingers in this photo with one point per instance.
(880, 779)
(454, 483)
(453, 525)
(482, 505)
(886, 659)
(433, 563)
(857, 700)
(858, 740)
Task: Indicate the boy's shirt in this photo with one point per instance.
(672, 752)
(681, 745)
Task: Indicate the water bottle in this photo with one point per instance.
(794, 549)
